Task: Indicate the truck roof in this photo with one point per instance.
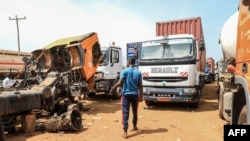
(69, 40)
(159, 38)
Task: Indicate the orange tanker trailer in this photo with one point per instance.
(11, 61)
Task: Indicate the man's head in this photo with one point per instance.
(131, 61)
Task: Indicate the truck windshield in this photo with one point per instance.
(167, 51)
(106, 58)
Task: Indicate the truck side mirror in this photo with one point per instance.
(202, 45)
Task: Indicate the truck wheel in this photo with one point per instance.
(195, 105)
(11, 130)
(243, 116)
(221, 115)
(220, 105)
(218, 93)
(220, 110)
(91, 94)
(202, 82)
(149, 103)
(118, 93)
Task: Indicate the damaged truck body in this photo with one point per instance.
(66, 68)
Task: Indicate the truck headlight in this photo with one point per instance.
(190, 90)
(99, 75)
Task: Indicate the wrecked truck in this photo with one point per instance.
(66, 67)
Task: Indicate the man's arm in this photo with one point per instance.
(119, 83)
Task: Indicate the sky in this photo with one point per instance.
(120, 21)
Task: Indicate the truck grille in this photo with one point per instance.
(168, 79)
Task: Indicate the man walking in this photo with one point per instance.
(131, 83)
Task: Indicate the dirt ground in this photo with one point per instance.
(164, 122)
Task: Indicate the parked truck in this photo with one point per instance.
(133, 48)
(107, 73)
(225, 90)
(234, 102)
(67, 67)
(173, 64)
(209, 70)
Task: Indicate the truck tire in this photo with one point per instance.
(218, 93)
(91, 94)
(9, 125)
(221, 115)
(149, 103)
(70, 120)
(243, 116)
(220, 110)
(194, 105)
(118, 93)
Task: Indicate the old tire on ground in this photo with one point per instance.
(243, 116)
(70, 120)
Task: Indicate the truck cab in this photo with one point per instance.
(170, 69)
(107, 73)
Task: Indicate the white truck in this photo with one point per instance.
(173, 66)
(108, 71)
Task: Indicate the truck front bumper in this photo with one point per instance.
(171, 94)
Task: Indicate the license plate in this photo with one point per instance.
(163, 99)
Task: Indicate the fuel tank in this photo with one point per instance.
(17, 102)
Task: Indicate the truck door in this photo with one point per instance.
(115, 62)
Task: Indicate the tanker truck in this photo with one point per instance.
(18, 65)
(67, 67)
(234, 91)
(11, 62)
(227, 41)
